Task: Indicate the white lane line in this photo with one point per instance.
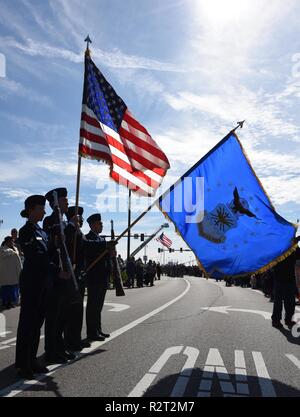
(12, 390)
(264, 379)
(293, 359)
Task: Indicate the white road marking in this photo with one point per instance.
(157, 367)
(239, 359)
(12, 342)
(214, 364)
(148, 378)
(117, 307)
(225, 309)
(8, 341)
(3, 334)
(264, 379)
(4, 347)
(240, 373)
(20, 386)
(258, 291)
(293, 359)
(186, 372)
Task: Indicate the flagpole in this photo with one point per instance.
(129, 227)
(239, 125)
(87, 52)
(76, 206)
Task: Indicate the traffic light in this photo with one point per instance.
(135, 236)
(159, 250)
(142, 237)
(181, 250)
(171, 250)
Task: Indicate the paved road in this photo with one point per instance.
(183, 337)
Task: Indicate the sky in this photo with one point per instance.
(187, 69)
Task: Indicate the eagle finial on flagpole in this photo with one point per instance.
(88, 41)
(239, 126)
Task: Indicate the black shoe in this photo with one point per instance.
(56, 359)
(69, 355)
(277, 324)
(104, 334)
(25, 373)
(290, 324)
(85, 344)
(96, 338)
(39, 369)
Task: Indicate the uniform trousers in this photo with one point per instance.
(32, 316)
(95, 301)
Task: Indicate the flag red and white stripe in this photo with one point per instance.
(135, 159)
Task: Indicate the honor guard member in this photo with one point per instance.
(55, 313)
(74, 315)
(97, 280)
(285, 289)
(35, 281)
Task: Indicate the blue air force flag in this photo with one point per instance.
(222, 212)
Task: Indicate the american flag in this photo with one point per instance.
(164, 240)
(110, 133)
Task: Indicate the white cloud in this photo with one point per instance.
(114, 59)
(261, 110)
(16, 194)
(10, 87)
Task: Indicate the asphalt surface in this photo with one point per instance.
(172, 340)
